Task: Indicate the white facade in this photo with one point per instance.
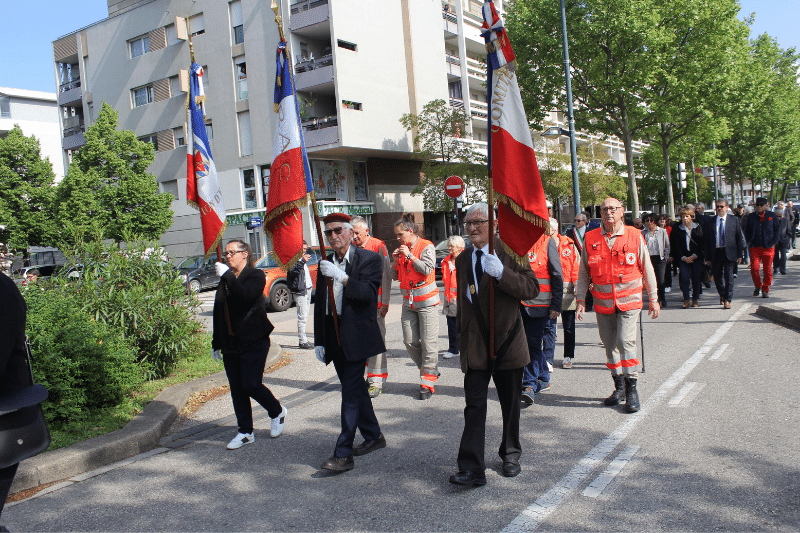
(36, 113)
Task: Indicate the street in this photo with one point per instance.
(711, 448)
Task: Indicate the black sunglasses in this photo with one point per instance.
(337, 231)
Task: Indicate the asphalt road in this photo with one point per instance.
(713, 448)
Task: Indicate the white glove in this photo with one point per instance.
(319, 351)
(330, 270)
(492, 265)
(216, 355)
(221, 268)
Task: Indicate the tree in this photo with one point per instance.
(107, 189)
(438, 132)
(26, 192)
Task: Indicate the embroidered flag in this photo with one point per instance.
(290, 175)
(202, 184)
(521, 205)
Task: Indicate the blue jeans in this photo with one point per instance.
(536, 371)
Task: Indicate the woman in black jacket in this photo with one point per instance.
(686, 247)
(241, 333)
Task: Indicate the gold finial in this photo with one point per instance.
(278, 19)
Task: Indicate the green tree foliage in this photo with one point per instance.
(107, 189)
(26, 192)
(437, 131)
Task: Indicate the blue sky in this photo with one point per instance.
(31, 26)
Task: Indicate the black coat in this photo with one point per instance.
(677, 243)
(734, 238)
(358, 328)
(14, 372)
(762, 234)
(243, 298)
(296, 278)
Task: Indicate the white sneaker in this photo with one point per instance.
(240, 440)
(668, 289)
(549, 366)
(276, 425)
(567, 363)
(449, 355)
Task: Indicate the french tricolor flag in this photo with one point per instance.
(290, 175)
(521, 205)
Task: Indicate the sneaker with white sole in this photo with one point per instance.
(240, 440)
(567, 363)
(276, 424)
(449, 355)
(549, 366)
(527, 396)
(668, 289)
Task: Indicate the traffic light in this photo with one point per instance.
(682, 175)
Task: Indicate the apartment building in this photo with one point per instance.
(36, 113)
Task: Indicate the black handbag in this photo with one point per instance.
(23, 429)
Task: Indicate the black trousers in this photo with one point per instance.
(452, 335)
(357, 411)
(473, 440)
(245, 371)
(6, 478)
(568, 322)
(723, 271)
(659, 265)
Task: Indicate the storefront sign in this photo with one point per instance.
(241, 219)
(326, 208)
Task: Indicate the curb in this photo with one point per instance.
(141, 434)
(780, 315)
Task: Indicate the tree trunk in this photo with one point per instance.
(668, 174)
(634, 192)
(771, 191)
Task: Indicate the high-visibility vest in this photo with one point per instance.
(538, 258)
(616, 273)
(418, 289)
(570, 259)
(377, 246)
(449, 278)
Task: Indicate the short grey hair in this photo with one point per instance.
(480, 208)
(345, 225)
(457, 241)
(583, 216)
(359, 220)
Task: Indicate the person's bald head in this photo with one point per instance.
(612, 212)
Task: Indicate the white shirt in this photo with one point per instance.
(485, 251)
(309, 283)
(338, 288)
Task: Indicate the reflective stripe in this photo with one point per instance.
(428, 381)
(603, 288)
(542, 300)
(626, 286)
(627, 363)
(614, 366)
(416, 298)
(607, 304)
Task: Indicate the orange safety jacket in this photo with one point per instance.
(377, 246)
(616, 273)
(537, 257)
(570, 259)
(449, 278)
(418, 289)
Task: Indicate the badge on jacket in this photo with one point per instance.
(630, 258)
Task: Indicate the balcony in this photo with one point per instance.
(73, 125)
(311, 75)
(449, 19)
(321, 131)
(70, 93)
(76, 140)
(479, 109)
(453, 65)
(308, 13)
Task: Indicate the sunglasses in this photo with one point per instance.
(337, 231)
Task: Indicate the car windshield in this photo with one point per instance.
(191, 262)
(268, 261)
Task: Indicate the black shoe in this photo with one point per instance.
(424, 393)
(370, 446)
(756, 291)
(468, 479)
(306, 346)
(765, 294)
(511, 469)
(339, 464)
(631, 396)
(619, 392)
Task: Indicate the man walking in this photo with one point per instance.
(377, 366)
(724, 248)
(782, 246)
(355, 275)
(616, 263)
(761, 234)
(794, 222)
(298, 281)
(476, 270)
(578, 234)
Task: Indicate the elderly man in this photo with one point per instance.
(355, 275)
(791, 209)
(782, 246)
(377, 366)
(616, 262)
(476, 270)
(724, 248)
(761, 234)
(578, 234)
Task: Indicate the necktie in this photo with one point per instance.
(721, 233)
(478, 267)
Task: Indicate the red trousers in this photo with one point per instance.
(757, 255)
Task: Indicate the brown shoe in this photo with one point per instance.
(695, 303)
(727, 305)
(686, 304)
(721, 300)
(339, 464)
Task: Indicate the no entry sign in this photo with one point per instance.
(454, 187)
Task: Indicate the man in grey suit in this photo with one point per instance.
(724, 247)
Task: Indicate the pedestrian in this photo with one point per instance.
(638, 224)
(687, 250)
(415, 267)
(724, 246)
(671, 269)
(455, 245)
(377, 365)
(570, 264)
(616, 263)
(782, 246)
(540, 313)
(355, 275)
(241, 334)
(299, 283)
(795, 221)
(658, 247)
(31, 276)
(761, 234)
(578, 234)
(476, 270)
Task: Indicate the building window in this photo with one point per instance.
(209, 131)
(245, 141)
(5, 107)
(196, 24)
(264, 182)
(142, 95)
(180, 136)
(170, 187)
(249, 188)
(237, 28)
(346, 45)
(175, 85)
(172, 35)
(139, 46)
(240, 70)
(152, 139)
(347, 104)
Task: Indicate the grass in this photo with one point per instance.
(198, 365)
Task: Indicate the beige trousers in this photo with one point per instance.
(618, 333)
(421, 337)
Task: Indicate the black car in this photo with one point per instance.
(198, 273)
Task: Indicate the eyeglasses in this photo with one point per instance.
(337, 231)
(578, 220)
(722, 207)
(610, 209)
(233, 252)
(474, 223)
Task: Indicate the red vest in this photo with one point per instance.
(449, 278)
(537, 257)
(570, 259)
(418, 289)
(616, 273)
(377, 246)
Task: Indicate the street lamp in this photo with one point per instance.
(555, 131)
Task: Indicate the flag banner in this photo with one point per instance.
(522, 213)
(202, 183)
(290, 175)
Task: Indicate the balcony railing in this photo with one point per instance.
(453, 60)
(67, 86)
(304, 65)
(456, 103)
(305, 5)
(315, 123)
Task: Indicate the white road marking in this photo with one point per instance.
(530, 518)
(716, 355)
(675, 400)
(607, 476)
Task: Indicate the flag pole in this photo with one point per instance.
(279, 21)
(490, 195)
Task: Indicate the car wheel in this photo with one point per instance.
(194, 285)
(280, 299)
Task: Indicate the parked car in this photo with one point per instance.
(441, 253)
(199, 273)
(278, 296)
(45, 271)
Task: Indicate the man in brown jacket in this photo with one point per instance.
(513, 282)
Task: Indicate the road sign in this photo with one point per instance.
(454, 187)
